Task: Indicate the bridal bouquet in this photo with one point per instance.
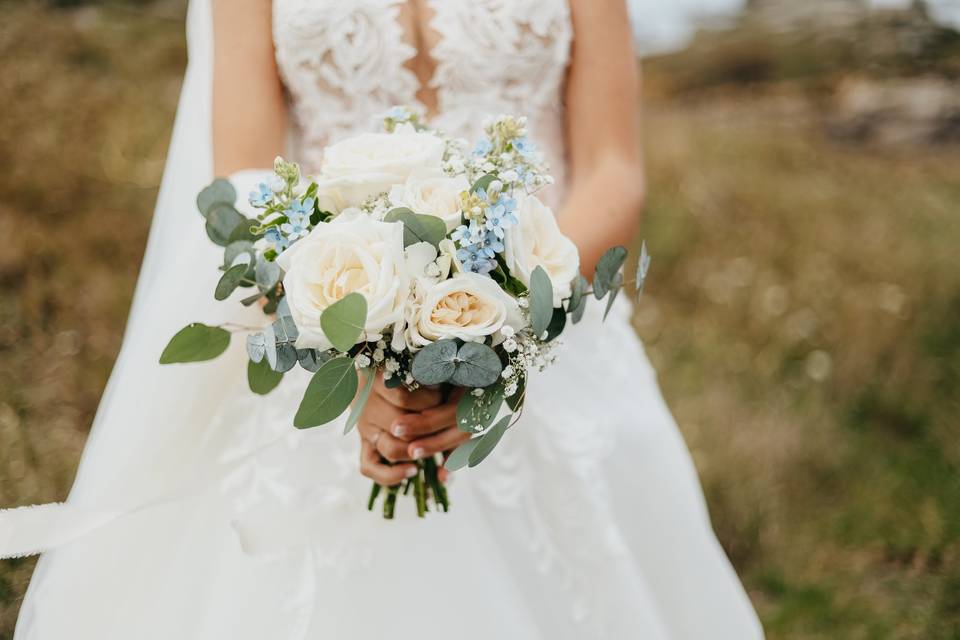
(413, 255)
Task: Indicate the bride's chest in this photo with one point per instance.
(402, 46)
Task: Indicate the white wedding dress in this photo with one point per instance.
(198, 510)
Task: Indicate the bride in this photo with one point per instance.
(198, 512)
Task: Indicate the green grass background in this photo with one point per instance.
(803, 309)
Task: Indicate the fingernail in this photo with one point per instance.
(412, 471)
(399, 430)
(419, 453)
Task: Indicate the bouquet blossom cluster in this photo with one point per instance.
(410, 254)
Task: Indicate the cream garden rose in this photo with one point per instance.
(369, 164)
(468, 306)
(433, 195)
(538, 241)
(354, 253)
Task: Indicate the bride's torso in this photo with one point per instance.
(345, 62)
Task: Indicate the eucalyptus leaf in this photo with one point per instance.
(515, 402)
(329, 394)
(311, 359)
(483, 182)
(489, 440)
(229, 281)
(267, 274)
(279, 340)
(343, 321)
(578, 289)
(244, 231)
(256, 347)
(361, 401)
(476, 413)
(643, 267)
(557, 323)
(476, 365)
(435, 363)
(235, 249)
(222, 219)
(261, 378)
(541, 301)
(249, 300)
(461, 455)
(418, 227)
(220, 191)
(283, 308)
(608, 266)
(615, 287)
(196, 343)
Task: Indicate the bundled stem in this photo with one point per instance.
(426, 485)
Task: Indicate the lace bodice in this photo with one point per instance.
(344, 63)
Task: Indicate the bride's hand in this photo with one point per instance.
(400, 426)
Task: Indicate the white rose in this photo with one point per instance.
(432, 195)
(369, 164)
(537, 241)
(468, 306)
(354, 253)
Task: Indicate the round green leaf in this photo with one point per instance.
(311, 359)
(343, 321)
(461, 455)
(261, 378)
(489, 440)
(229, 281)
(417, 227)
(608, 266)
(477, 365)
(541, 301)
(615, 286)
(329, 394)
(483, 182)
(195, 343)
(557, 323)
(361, 401)
(267, 275)
(577, 289)
(435, 363)
(222, 219)
(220, 191)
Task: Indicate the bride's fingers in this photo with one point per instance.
(372, 467)
(417, 425)
(441, 441)
(393, 449)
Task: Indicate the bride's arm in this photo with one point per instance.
(249, 113)
(602, 105)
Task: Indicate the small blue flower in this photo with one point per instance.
(476, 260)
(468, 235)
(493, 243)
(262, 196)
(524, 147)
(274, 237)
(298, 219)
(398, 114)
(483, 147)
(500, 216)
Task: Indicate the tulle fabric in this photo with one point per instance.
(198, 512)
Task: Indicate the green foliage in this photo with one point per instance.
(489, 440)
(541, 301)
(483, 182)
(357, 409)
(461, 455)
(195, 343)
(280, 343)
(329, 394)
(261, 378)
(220, 191)
(222, 221)
(418, 227)
(229, 281)
(343, 321)
(476, 413)
(608, 267)
(471, 365)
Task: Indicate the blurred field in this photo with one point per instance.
(803, 307)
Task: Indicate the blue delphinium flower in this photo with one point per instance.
(500, 216)
(298, 219)
(276, 239)
(484, 146)
(262, 196)
(476, 259)
(524, 147)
